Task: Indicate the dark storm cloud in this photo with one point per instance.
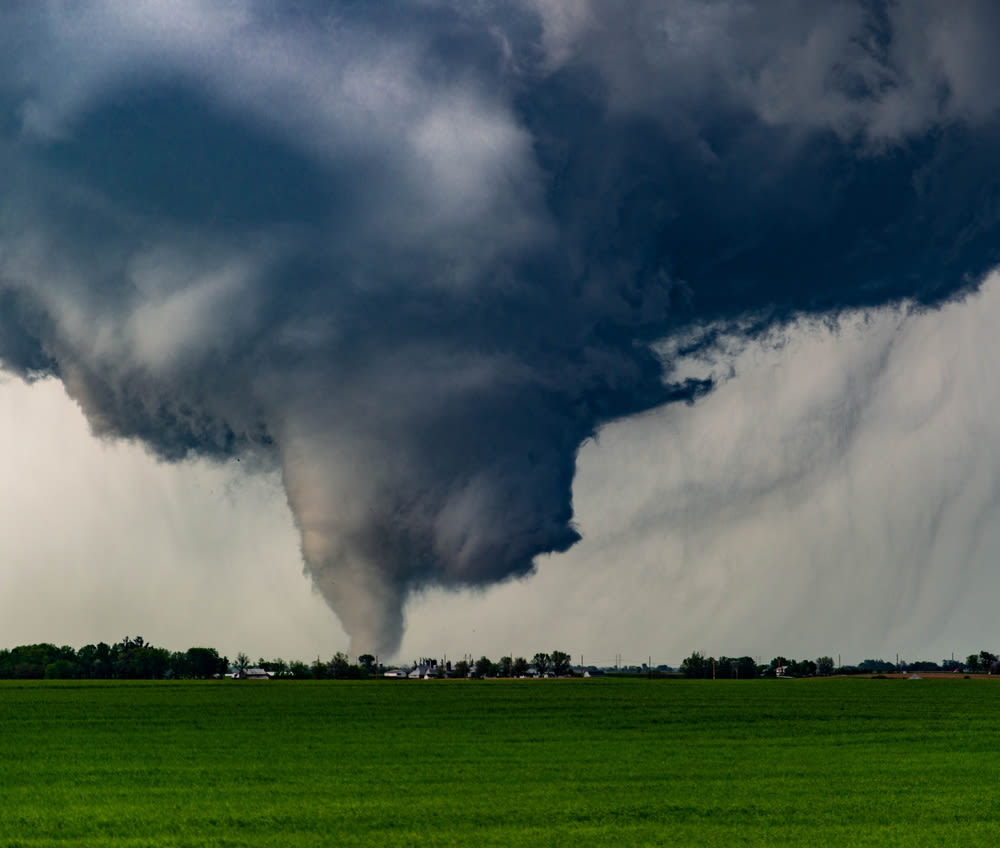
(415, 254)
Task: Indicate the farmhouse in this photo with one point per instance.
(396, 674)
(426, 670)
(252, 674)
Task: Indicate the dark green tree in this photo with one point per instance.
(277, 667)
(86, 658)
(28, 662)
(561, 663)
(542, 663)
(61, 669)
(300, 671)
(735, 668)
(136, 659)
(802, 668)
(103, 667)
(206, 662)
(319, 669)
(519, 668)
(180, 666)
(696, 666)
(880, 666)
(339, 668)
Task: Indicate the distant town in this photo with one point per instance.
(137, 659)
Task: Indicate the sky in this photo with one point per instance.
(432, 329)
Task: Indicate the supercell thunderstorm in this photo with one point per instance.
(412, 255)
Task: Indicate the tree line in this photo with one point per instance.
(137, 659)
(556, 664)
(128, 659)
(745, 668)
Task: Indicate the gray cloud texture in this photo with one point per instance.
(412, 255)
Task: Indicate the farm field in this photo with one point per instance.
(587, 762)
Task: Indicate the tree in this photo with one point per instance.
(180, 666)
(878, 666)
(504, 667)
(696, 666)
(519, 668)
(87, 659)
(135, 658)
(560, 663)
(101, 660)
(276, 667)
(484, 667)
(154, 663)
(367, 661)
(300, 671)
(61, 670)
(339, 666)
(734, 668)
(319, 669)
(824, 665)
(242, 663)
(803, 668)
(206, 662)
(541, 662)
(461, 669)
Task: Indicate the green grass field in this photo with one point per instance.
(598, 762)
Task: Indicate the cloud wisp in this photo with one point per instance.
(413, 255)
